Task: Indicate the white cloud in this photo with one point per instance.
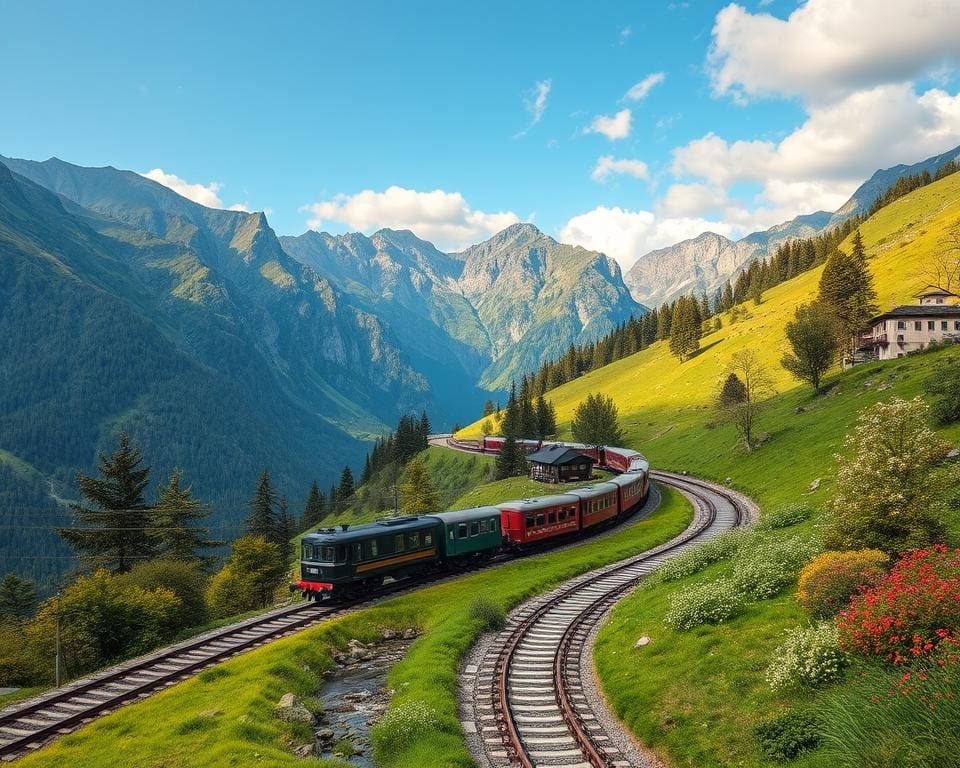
(820, 163)
(614, 128)
(640, 90)
(625, 34)
(826, 49)
(607, 165)
(442, 217)
(627, 235)
(535, 103)
(686, 200)
(204, 194)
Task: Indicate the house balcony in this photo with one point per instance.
(869, 340)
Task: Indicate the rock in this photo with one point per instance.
(762, 438)
(642, 642)
(868, 383)
(325, 735)
(291, 710)
(410, 634)
(388, 634)
(953, 454)
(304, 751)
(799, 409)
(815, 485)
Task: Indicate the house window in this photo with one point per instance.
(931, 325)
(956, 325)
(917, 325)
(939, 301)
(901, 325)
(900, 337)
(943, 325)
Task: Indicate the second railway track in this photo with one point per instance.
(530, 707)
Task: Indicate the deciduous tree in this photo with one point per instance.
(596, 421)
(890, 482)
(741, 396)
(248, 579)
(812, 335)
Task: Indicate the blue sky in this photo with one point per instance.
(357, 115)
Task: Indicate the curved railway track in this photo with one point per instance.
(530, 707)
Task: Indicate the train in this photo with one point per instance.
(348, 561)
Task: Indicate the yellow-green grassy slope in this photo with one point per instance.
(665, 405)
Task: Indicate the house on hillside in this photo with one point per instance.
(911, 327)
(559, 464)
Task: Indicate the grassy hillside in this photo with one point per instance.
(665, 405)
(695, 696)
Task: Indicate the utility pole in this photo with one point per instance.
(396, 501)
(57, 675)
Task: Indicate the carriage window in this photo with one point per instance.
(540, 519)
(399, 543)
(370, 548)
(414, 540)
(357, 553)
(474, 528)
(529, 521)
(483, 526)
(326, 554)
(493, 525)
(551, 517)
(427, 539)
(451, 534)
(562, 515)
(305, 552)
(462, 531)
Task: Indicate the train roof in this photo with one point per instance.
(466, 515)
(380, 527)
(540, 502)
(626, 478)
(592, 491)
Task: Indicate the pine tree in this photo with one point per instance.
(18, 598)
(314, 509)
(488, 408)
(511, 420)
(286, 528)
(728, 297)
(367, 471)
(112, 534)
(175, 532)
(846, 289)
(755, 289)
(262, 520)
(546, 420)
(507, 459)
(685, 329)
(664, 320)
(346, 487)
(423, 431)
(334, 501)
(418, 495)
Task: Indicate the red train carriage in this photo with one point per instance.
(528, 520)
(633, 489)
(598, 503)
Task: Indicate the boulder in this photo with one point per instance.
(290, 709)
(304, 751)
(815, 485)
(325, 735)
(953, 454)
(642, 642)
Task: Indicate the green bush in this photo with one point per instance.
(810, 656)
(784, 516)
(710, 603)
(402, 726)
(787, 736)
(769, 565)
(695, 559)
(186, 580)
(487, 613)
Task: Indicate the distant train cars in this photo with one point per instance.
(349, 561)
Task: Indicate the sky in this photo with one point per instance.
(619, 126)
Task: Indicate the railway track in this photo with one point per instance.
(529, 704)
(29, 725)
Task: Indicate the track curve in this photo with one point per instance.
(530, 708)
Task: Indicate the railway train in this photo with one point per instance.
(350, 560)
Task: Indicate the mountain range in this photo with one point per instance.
(705, 262)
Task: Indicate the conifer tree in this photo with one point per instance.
(367, 471)
(262, 520)
(314, 509)
(664, 319)
(18, 598)
(685, 329)
(175, 532)
(546, 418)
(488, 408)
(286, 528)
(113, 527)
(418, 495)
(508, 458)
(346, 487)
(846, 289)
(334, 501)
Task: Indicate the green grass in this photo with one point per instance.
(224, 716)
(18, 695)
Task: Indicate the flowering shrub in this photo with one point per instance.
(695, 559)
(401, 726)
(810, 656)
(911, 611)
(709, 603)
(827, 582)
(769, 565)
(784, 516)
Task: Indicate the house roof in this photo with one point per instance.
(920, 310)
(557, 455)
(933, 290)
